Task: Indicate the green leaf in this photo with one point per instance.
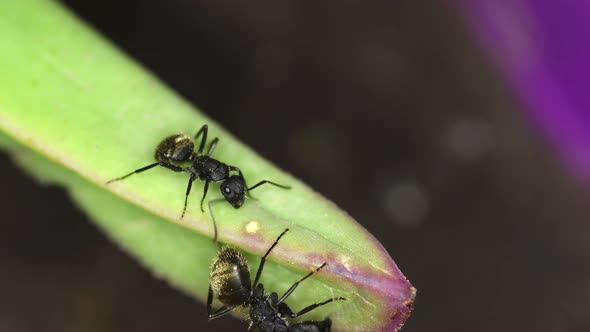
(82, 113)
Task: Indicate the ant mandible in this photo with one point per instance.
(230, 282)
(177, 153)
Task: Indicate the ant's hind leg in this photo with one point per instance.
(203, 131)
(209, 301)
(212, 146)
(145, 168)
(219, 312)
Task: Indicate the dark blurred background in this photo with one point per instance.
(388, 108)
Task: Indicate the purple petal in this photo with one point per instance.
(543, 48)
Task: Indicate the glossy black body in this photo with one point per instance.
(177, 153)
(229, 281)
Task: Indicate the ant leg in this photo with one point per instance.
(269, 182)
(212, 146)
(188, 192)
(150, 166)
(209, 300)
(219, 312)
(234, 168)
(263, 260)
(203, 131)
(292, 288)
(204, 194)
(314, 306)
(172, 167)
(213, 217)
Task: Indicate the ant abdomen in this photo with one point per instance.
(230, 277)
(175, 149)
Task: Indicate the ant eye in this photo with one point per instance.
(227, 190)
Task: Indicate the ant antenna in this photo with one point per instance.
(217, 200)
(269, 182)
(211, 202)
(263, 260)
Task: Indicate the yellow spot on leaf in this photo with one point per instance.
(252, 227)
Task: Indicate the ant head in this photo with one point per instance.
(233, 190)
(175, 148)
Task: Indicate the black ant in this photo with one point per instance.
(230, 282)
(177, 153)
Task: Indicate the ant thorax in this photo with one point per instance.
(264, 310)
(210, 169)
